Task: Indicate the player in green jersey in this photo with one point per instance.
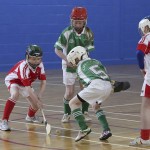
(78, 34)
(98, 87)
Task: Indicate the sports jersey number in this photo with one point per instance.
(96, 70)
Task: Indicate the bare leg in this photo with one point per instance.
(145, 112)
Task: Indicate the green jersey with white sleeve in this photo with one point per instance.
(90, 69)
(69, 39)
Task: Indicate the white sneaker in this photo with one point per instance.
(4, 126)
(33, 119)
(139, 141)
(82, 134)
(65, 118)
(87, 117)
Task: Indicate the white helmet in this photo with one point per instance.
(143, 23)
(77, 54)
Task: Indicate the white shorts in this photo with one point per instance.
(68, 77)
(97, 91)
(145, 89)
(22, 90)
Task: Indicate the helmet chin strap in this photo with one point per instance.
(78, 30)
(33, 66)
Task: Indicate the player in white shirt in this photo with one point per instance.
(143, 58)
(19, 81)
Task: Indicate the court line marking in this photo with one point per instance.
(97, 142)
(55, 127)
(91, 115)
(130, 104)
(115, 144)
(28, 145)
(123, 114)
(37, 82)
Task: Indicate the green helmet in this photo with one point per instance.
(34, 50)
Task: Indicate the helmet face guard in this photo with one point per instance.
(79, 14)
(77, 54)
(78, 25)
(33, 51)
(33, 66)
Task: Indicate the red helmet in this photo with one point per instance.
(79, 13)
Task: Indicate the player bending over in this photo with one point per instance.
(19, 81)
(98, 87)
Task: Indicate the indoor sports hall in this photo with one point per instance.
(121, 109)
(115, 27)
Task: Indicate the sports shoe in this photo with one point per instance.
(4, 126)
(105, 135)
(65, 118)
(139, 141)
(82, 134)
(120, 86)
(33, 119)
(87, 117)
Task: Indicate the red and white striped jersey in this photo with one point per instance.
(23, 75)
(144, 44)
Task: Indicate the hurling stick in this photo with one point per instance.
(47, 126)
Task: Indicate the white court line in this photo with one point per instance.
(101, 107)
(119, 119)
(91, 115)
(60, 128)
(121, 105)
(122, 114)
(28, 107)
(56, 84)
(133, 92)
(97, 142)
(27, 103)
(90, 109)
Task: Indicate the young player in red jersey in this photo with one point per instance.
(19, 81)
(143, 57)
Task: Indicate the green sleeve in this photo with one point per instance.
(91, 46)
(61, 42)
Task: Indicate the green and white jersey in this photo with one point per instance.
(70, 39)
(90, 69)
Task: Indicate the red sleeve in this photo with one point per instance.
(42, 77)
(142, 47)
(144, 44)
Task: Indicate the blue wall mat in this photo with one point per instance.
(114, 23)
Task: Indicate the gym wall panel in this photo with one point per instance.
(114, 23)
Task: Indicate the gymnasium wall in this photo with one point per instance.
(114, 23)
